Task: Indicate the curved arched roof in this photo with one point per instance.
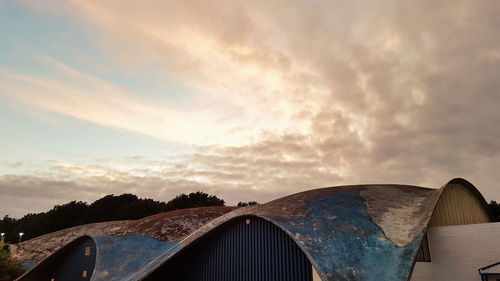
(53, 259)
(361, 232)
(365, 232)
(465, 183)
(124, 247)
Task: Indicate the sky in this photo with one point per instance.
(247, 100)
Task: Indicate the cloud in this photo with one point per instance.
(290, 96)
(63, 182)
(92, 99)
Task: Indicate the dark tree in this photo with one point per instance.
(68, 215)
(244, 204)
(7, 226)
(194, 199)
(494, 209)
(123, 207)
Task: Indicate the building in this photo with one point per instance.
(362, 232)
(117, 248)
(490, 272)
(457, 252)
(75, 259)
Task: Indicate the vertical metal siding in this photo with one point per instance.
(457, 206)
(75, 262)
(237, 251)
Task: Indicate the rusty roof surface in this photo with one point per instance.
(361, 232)
(168, 226)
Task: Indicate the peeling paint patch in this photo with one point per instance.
(349, 233)
(352, 247)
(120, 257)
(401, 213)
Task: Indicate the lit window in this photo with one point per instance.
(87, 251)
(84, 273)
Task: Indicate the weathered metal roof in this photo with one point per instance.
(362, 232)
(119, 257)
(365, 232)
(168, 226)
(123, 247)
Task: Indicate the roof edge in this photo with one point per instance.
(489, 266)
(162, 260)
(56, 254)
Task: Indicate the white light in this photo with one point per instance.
(21, 234)
(2, 234)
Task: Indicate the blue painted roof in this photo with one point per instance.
(348, 233)
(363, 232)
(118, 257)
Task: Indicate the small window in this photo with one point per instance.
(87, 251)
(84, 273)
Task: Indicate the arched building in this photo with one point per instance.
(362, 232)
(246, 248)
(75, 259)
(460, 238)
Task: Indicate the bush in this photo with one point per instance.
(10, 269)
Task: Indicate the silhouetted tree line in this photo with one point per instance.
(244, 204)
(108, 208)
(494, 208)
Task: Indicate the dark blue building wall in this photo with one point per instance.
(68, 264)
(239, 250)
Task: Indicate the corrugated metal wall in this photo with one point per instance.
(457, 206)
(78, 264)
(237, 251)
(424, 254)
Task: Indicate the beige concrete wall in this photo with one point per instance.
(459, 251)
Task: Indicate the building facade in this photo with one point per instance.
(458, 252)
(362, 232)
(246, 248)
